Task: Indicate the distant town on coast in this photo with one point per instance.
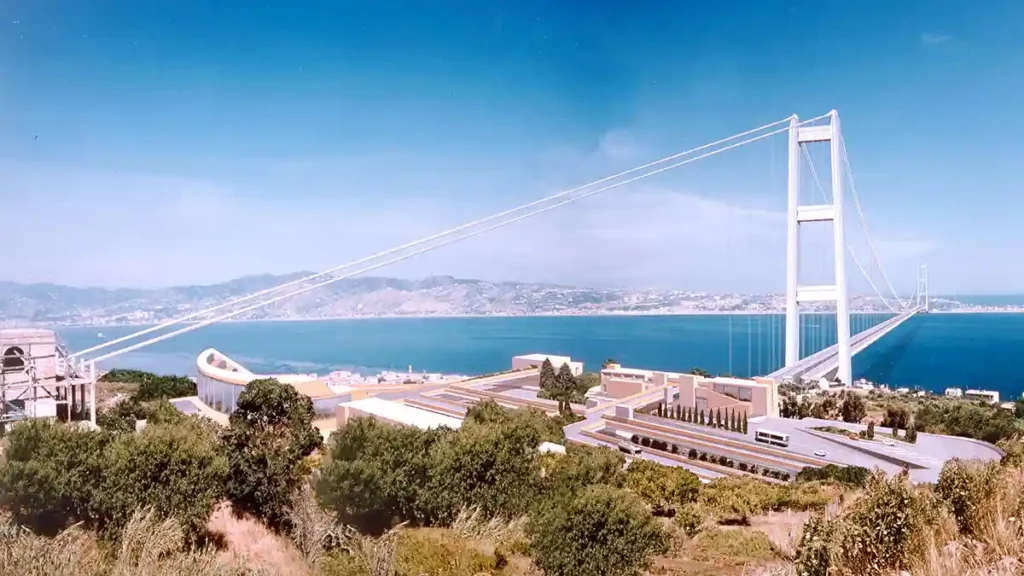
(57, 305)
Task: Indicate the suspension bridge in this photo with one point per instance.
(819, 336)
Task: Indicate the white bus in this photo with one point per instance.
(773, 438)
(626, 443)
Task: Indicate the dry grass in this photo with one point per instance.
(248, 542)
(783, 529)
(497, 531)
(149, 547)
(997, 548)
(310, 526)
(374, 556)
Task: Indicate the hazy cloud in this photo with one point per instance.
(144, 230)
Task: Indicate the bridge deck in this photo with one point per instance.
(826, 361)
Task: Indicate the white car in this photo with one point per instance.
(820, 453)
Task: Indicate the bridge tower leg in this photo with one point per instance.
(922, 287)
(798, 214)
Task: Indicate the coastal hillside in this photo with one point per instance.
(53, 304)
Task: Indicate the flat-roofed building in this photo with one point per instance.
(984, 395)
(619, 382)
(954, 393)
(527, 361)
(757, 397)
(394, 413)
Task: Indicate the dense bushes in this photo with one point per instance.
(850, 475)
(978, 421)
(664, 488)
(493, 468)
(152, 386)
(882, 533)
(54, 475)
(580, 467)
(603, 530)
(49, 477)
(177, 470)
(374, 474)
(966, 487)
(490, 412)
(178, 466)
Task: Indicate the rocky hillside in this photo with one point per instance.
(439, 295)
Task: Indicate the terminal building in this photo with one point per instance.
(220, 380)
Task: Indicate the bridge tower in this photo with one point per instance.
(800, 136)
(922, 287)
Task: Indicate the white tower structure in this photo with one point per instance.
(798, 214)
(922, 287)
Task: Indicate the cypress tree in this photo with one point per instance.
(718, 418)
(547, 375)
(732, 420)
(744, 422)
(660, 409)
(702, 417)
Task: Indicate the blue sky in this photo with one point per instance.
(147, 143)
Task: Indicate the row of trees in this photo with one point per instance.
(54, 475)
(694, 454)
(733, 422)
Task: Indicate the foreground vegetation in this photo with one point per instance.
(385, 500)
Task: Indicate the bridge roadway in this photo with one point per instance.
(825, 362)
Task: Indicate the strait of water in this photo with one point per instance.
(928, 351)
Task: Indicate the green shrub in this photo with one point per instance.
(602, 531)
(177, 470)
(374, 474)
(736, 499)
(966, 486)
(490, 412)
(270, 436)
(49, 475)
(493, 468)
(582, 466)
(152, 386)
(662, 487)
(54, 475)
(880, 535)
(850, 475)
(814, 552)
(734, 546)
(690, 518)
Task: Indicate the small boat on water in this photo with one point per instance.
(99, 334)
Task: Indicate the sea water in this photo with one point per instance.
(930, 351)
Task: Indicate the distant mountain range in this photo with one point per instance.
(53, 304)
(24, 304)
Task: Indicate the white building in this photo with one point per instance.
(954, 393)
(983, 395)
(394, 413)
(527, 361)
